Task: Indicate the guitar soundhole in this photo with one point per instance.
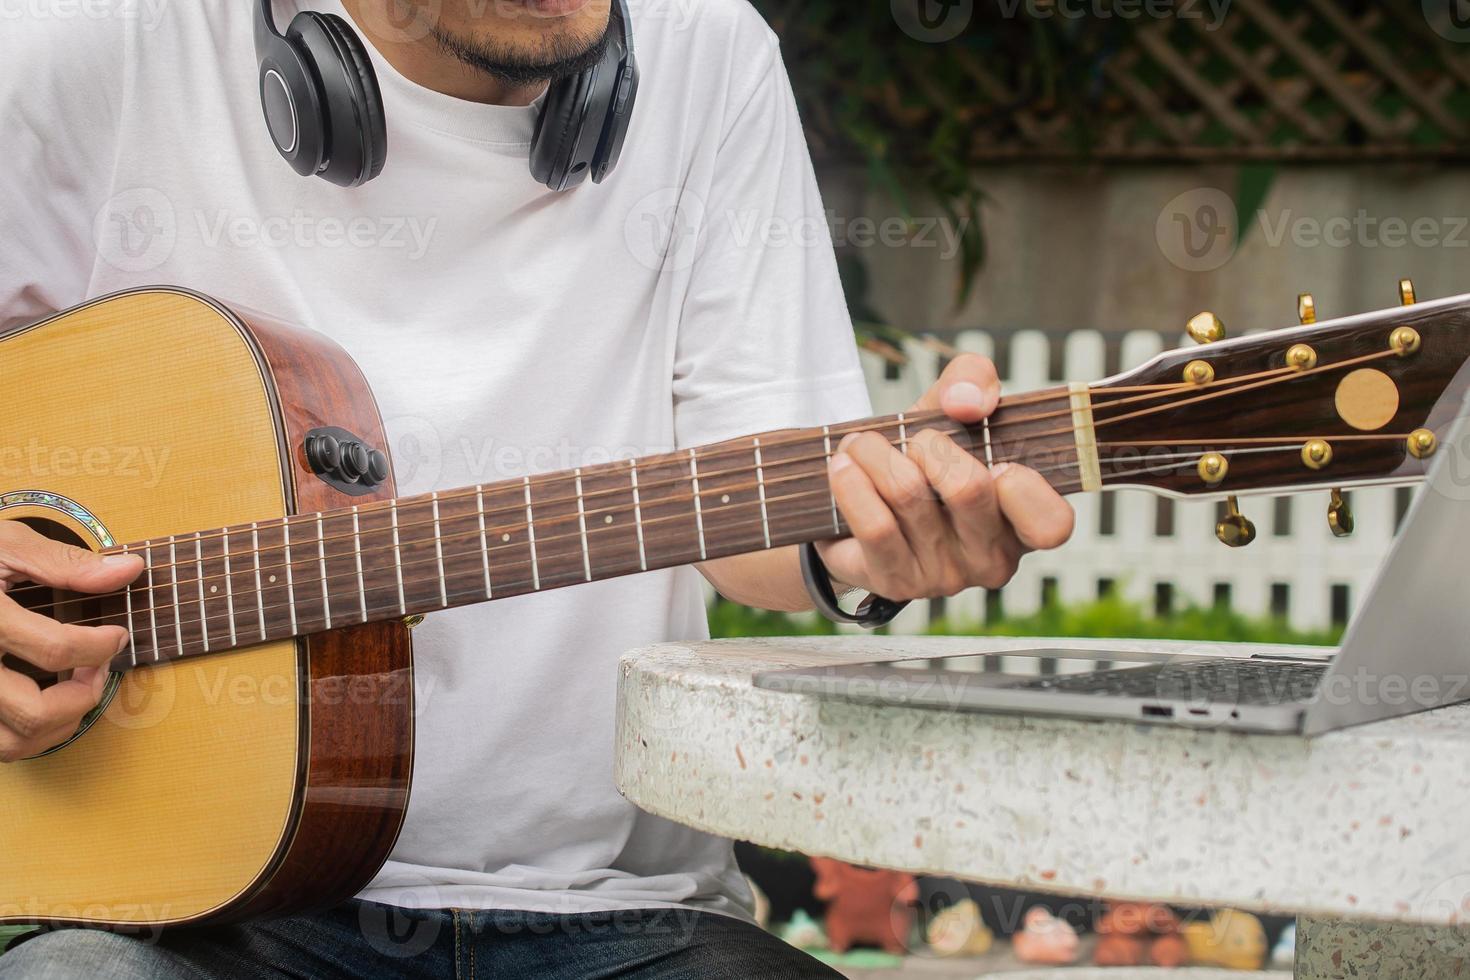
(59, 604)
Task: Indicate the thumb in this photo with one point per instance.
(967, 391)
(65, 566)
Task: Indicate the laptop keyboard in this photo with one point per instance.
(1255, 682)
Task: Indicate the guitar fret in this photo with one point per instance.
(638, 516)
(128, 599)
(357, 555)
(260, 592)
(989, 453)
(229, 587)
(439, 551)
(152, 602)
(582, 526)
(827, 457)
(698, 505)
(397, 558)
(484, 541)
(321, 560)
(903, 435)
(173, 574)
(760, 479)
(290, 582)
(199, 570)
(531, 537)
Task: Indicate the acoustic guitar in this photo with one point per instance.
(253, 750)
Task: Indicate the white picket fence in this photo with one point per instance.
(1295, 567)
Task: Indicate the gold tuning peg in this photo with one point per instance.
(1306, 309)
(1339, 515)
(1205, 328)
(1406, 292)
(1235, 530)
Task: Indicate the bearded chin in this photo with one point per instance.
(558, 56)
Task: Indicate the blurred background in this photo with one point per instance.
(1061, 184)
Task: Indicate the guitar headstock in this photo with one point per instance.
(1358, 400)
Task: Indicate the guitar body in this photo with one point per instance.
(263, 781)
(253, 751)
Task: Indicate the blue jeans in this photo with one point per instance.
(362, 939)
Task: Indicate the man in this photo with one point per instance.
(506, 329)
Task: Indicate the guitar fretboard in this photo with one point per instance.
(217, 590)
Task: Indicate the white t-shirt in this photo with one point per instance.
(506, 329)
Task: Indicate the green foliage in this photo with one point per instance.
(728, 619)
(1106, 618)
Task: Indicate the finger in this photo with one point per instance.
(967, 391)
(61, 565)
(964, 486)
(13, 748)
(33, 714)
(1041, 518)
(56, 646)
(904, 488)
(887, 558)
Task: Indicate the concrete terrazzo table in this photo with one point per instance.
(1361, 833)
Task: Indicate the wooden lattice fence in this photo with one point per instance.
(1140, 80)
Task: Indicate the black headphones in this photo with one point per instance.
(325, 111)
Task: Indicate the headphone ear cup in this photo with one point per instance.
(373, 125)
(558, 131)
(356, 144)
(292, 102)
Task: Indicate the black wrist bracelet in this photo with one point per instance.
(874, 611)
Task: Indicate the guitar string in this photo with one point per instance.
(868, 425)
(674, 459)
(1274, 376)
(499, 530)
(574, 577)
(309, 564)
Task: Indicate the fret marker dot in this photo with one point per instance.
(724, 498)
(607, 519)
(273, 578)
(213, 589)
(505, 537)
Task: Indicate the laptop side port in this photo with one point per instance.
(1157, 711)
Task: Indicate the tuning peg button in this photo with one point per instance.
(1306, 309)
(1339, 515)
(1205, 328)
(1235, 530)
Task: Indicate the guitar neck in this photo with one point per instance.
(217, 590)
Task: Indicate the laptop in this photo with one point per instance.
(1407, 650)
